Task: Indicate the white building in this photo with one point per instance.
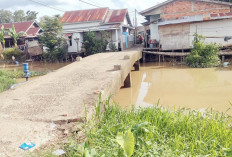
(116, 22)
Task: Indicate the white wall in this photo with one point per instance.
(125, 21)
(174, 37)
(74, 47)
(79, 26)
(214, 31)
(154, 32)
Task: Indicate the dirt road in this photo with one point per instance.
(27, 111)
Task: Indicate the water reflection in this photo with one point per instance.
(179, 86)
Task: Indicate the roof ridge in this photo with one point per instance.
(17, 22)
(88, 9)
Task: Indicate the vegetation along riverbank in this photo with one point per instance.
(153, 131)
(8, 78)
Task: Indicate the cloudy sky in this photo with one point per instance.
(67, 5)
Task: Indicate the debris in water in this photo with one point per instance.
(226, 64)
(26, 146)
(59, 152)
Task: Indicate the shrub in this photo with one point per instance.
(8, 53)
(203, 55)
(94, 45)
(113, 47)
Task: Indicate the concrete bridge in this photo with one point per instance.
(27, 112)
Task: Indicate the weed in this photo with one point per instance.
(156, 132)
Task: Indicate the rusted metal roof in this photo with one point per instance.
(89, 15)
(115, 16)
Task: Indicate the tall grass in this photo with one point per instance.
(157, 132)
(8, 78)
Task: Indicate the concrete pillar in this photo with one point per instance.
(223, 59)
(127, 82)
(144, 57)
(116, 36)
(137, 65)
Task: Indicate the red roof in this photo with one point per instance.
(116, 16)
(33, 31)
(84, 15)
(19, 26)
(29, 27)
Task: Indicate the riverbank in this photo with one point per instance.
(8, 78)
(156, 131)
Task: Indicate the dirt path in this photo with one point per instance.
(26, 112)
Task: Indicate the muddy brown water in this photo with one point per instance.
(176, 86)
(34, 66)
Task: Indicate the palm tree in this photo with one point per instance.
(3, 32)
(14, 35)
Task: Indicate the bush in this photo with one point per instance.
(94, 45)
(203, 55)
(8, 53)
(113, 47)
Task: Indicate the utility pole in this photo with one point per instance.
(135, 26)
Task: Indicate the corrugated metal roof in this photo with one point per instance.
(105, 15)
(115, 16)
(89, 15)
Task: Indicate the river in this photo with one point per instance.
(179, 86)
(34, 66)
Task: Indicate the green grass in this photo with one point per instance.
(8, 78)
(157, 132)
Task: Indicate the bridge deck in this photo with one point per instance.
(27, 111)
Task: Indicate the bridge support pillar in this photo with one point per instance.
(137, 65)
(144, 57)
(127, 82)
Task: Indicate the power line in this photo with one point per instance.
(43, 4)
(90, 4)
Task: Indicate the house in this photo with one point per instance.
(116, 23)
(31, 28)
(174, 22)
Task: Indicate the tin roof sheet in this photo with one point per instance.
(89, 15)
(115, 16)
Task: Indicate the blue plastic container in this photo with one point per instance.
(25, 67)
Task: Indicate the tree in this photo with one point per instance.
(14, 35)
(19, 16)
(6, 16)
(3, 32)
(31, 15)
(53, 39)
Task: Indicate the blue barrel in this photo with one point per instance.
(25, 67)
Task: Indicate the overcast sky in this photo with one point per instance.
(67, 5)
